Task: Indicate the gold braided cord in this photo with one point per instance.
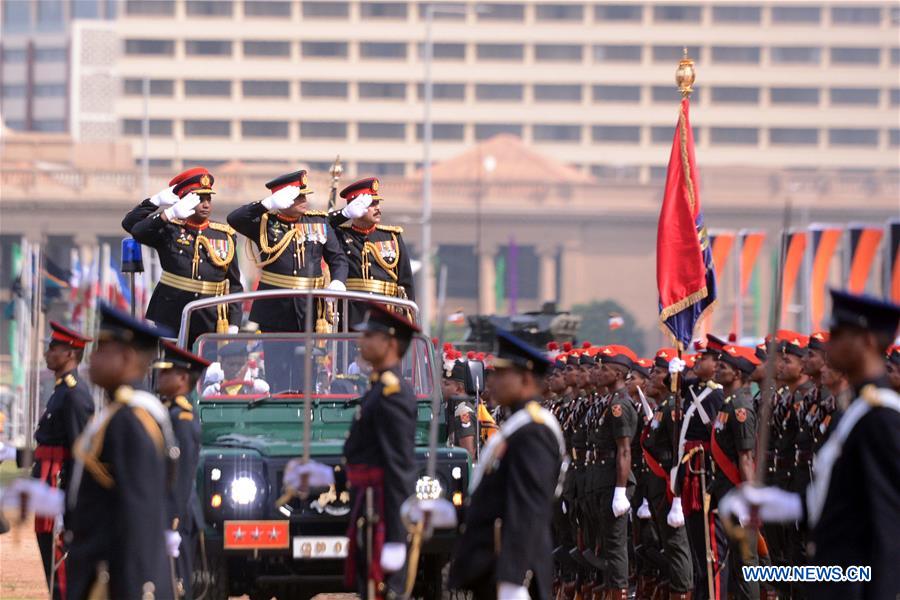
(371, 249)
(223, 263)
(685, 162)
(275, 251)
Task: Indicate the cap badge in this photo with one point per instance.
(375, 185)
(204, 180)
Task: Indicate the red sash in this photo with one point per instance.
(724, 463)
(654, 465)
(51, 459)
(362, 477)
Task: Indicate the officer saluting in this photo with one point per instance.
(505, 550)
(68, 410)
(852, 505)
(178, 373)
(197, 255)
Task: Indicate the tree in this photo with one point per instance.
(595, 325)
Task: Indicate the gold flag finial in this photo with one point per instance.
(685, 74)
(336, 169)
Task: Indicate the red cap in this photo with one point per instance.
(792, 337)
(567, 346)
(689, 360)
(197, 180)
(369, 186)
(64, 335)
(470, 355)
(552, 346)
(818, 340)
(585, 344)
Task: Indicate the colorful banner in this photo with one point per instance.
(863, 243)
(793, 248)
(892, 262)
(721, 243)
(751, 243)
(824, 242)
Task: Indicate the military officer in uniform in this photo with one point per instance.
(178, 372)
(292, 241)
(379, 260)
(120, 480)
(852, 505)
(68, 410)
(197, 255)
(461, 415)
(379, 458)
(505, 548)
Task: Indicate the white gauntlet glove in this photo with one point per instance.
(184, 208)
(775, 505)
(317, 474)
(338, 285)
(511, 591)
(42, 500)
(620, 503)
(283, 198)
(643, 512)
(214, 373)
(676, 365)
(675, 518)
(393, 556)
(173, 542)
(357, 207)
(164, 197)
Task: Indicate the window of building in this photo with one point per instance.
(383, 50)
(50, 90)
(381, 90)
(462, 269)
(444, 91)
(856, 56)
(609, 53)
(484, 131)
(457, 11)
(557, 92)
(207, 128)
(500, 52)
(16, 15)
(156, 127)
(16, 90)
(894, 137)
(49, 125)
(663, 134)
(522, 271)
(856, 15)
(158, 87)
(381, 131)
(556, 133)
(49, 15)
(323, 89)
(734, 136)
(267, 48)
(853, 137)
(209, 8)
(264, 88)
(443, 51)
(786, 55)
(85, 9)
(501, 12)
(14, 55)
(796, 14)
(383, 10)
(735, 95)
(855, 96)
(324, 49)
(677, 13)
(559, 12)
(895, 56)
(381, 169)
(670, 94)
(267, 8)
(15, 124)
(264, 129)
(667, 54)
(618, 12)
(736, 54)
(617, 93)
(611, 173)
(624, 134)
(793, 136)
(792, 95)
(737, 14)
(50, 54)
(150, 47)
(446, 132)
(332, 130)
(498, 91)
(207, 87)
(558, 52)
(895, 96)
(326, 9)
(155, 163)
(150, 7)
(207, 47)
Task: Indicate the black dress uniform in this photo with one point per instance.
(379, 454)
(506, 537)
(198, 260)
(68, 410)
(117, 497)
(378, 258)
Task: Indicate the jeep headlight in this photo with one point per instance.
(428, 488)
(243, 490)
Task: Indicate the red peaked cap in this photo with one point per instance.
(197, 180)
(63, 335)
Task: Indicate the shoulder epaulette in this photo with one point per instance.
(70, 380)
(713, 385)
(186, 416)
(316, 213)
(390, 382)
(346, 225)
(176, 221)
(184, 404)
(534, 411)
(222, 227)
(391, 228)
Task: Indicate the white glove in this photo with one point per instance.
(393, 557)
(214, 373)
(173, 542)
(676, 365)
(643, 512)
(357, 207)
(164, 197)
(775, 505)
(441, 512)
(260, 386)
(511, 591)
(620, 503)
(233, 329)
(183, 208)
(7, 452)
(318, 475)
(213, 389)
(43, 500)
(675, 518)
(337, 284)
(283, 198)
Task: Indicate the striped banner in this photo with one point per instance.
(721, 243)
(751, 242)
(824, 241)
(863, 243)
(892, 262)
(794, 247)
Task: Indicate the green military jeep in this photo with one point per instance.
(256, 541)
